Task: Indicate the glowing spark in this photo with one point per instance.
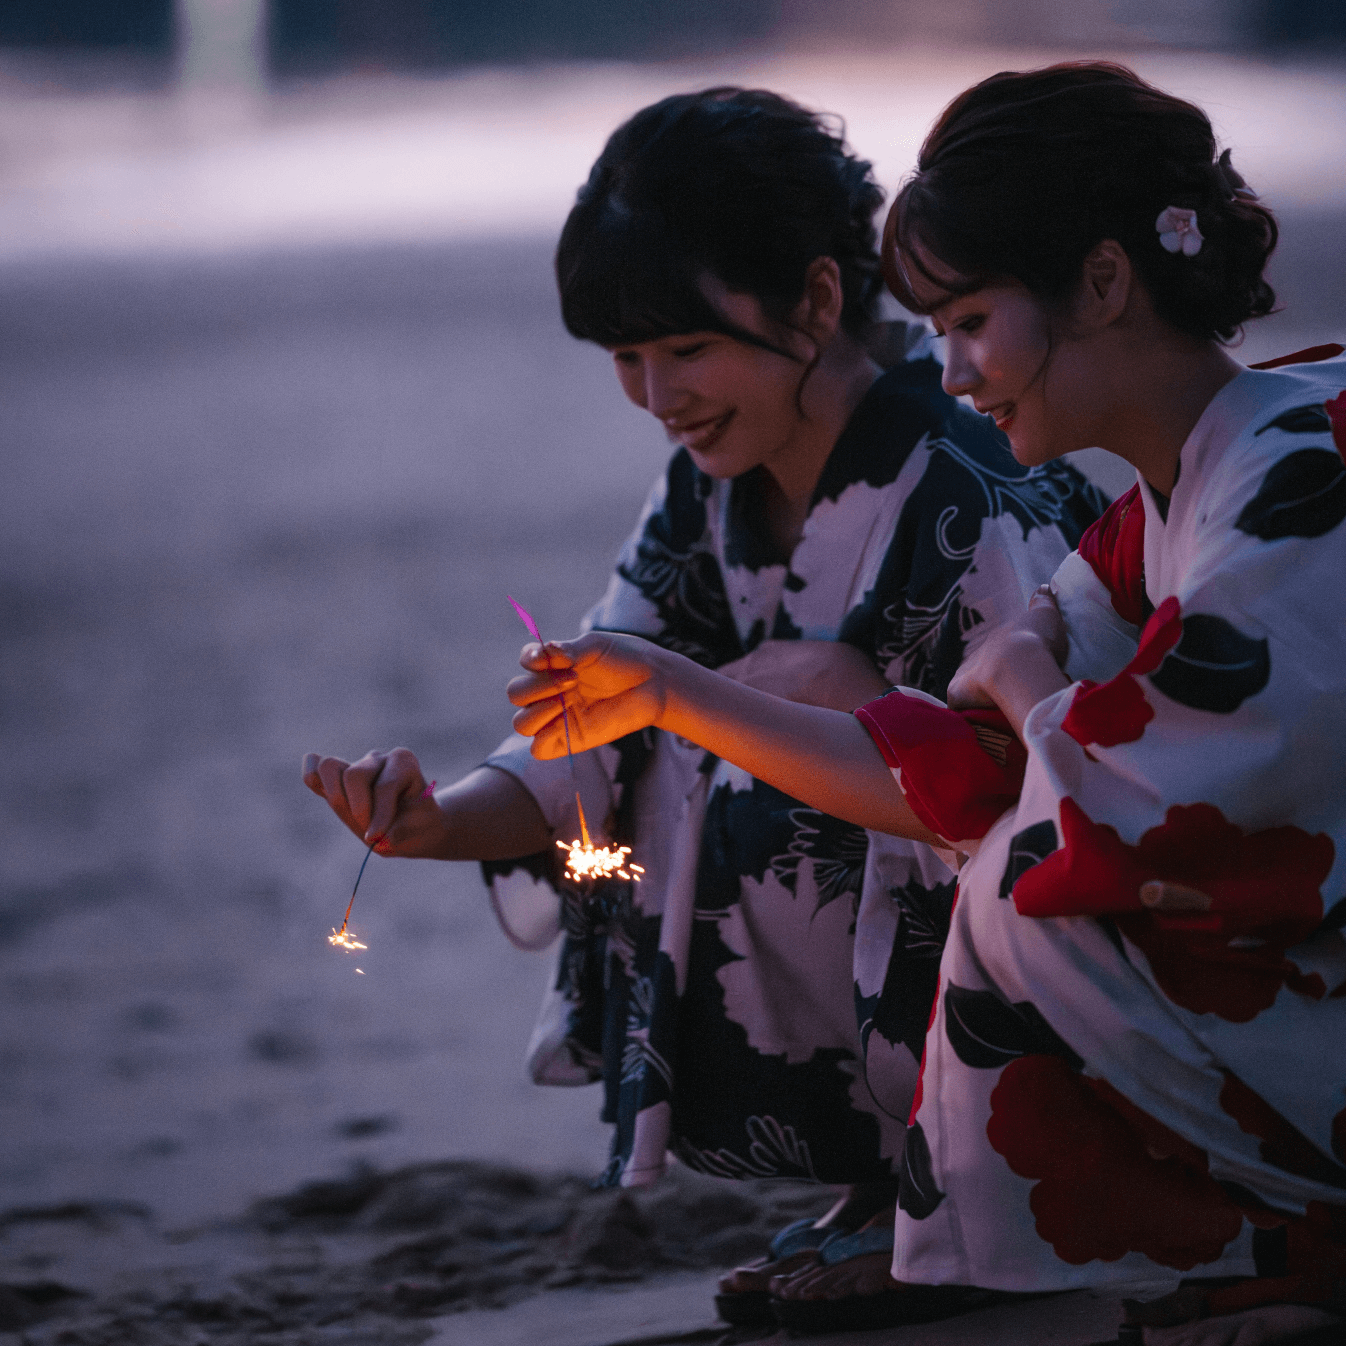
(343, 939)
(586, 861)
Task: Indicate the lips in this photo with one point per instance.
(700, 435)
(1002, 415)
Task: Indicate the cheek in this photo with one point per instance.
(632, 382)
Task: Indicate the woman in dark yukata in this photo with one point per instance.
(831, 524)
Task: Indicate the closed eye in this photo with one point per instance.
(687, 352)
(971, 323)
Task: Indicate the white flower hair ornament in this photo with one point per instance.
(1178, 231)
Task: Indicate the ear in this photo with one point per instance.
(819, 311)
(1106, 284)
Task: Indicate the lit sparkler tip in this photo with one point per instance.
(586, 861)
(341, 939)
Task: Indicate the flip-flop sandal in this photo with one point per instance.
(752, 1308)
(890, 1308)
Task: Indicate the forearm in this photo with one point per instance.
(489, 815)
(1026, 673)
(825, 758)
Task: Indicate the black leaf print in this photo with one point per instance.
(916, 1190)
(1310, 420)
(1303, 495)
(1028, 848)
(1215, 667)
(986, 1033)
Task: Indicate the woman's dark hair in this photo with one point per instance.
(1025, 173)
(739, 183)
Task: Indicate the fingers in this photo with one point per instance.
(553, 656)
(533, 688)
(310, 772)
(591, 726)
(399, 779)
(366, 795)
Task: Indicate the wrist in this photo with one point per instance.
(1026, 672)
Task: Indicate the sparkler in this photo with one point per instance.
(585, 862)
(343, 939)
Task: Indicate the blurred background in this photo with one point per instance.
(286, 409)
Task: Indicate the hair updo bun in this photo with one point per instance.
(1025, 173)
(739, 183)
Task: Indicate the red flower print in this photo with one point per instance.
(925, 1051)
(1336, 413)
(1252, 896)
(1116, 712)
(1114, 546)
(1110, 1179)
(1315, 1265)
(1282, 1144)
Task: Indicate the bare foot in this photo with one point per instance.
(870, 1274)
(757, 1276)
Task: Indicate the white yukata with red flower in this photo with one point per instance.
(1136, 1067)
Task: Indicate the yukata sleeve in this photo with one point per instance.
(1199, 795)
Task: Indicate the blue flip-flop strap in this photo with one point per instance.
(799, 1237)
(842, 1247)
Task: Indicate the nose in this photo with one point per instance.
(663, 393)
(960, 374)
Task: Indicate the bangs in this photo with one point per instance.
(909, 233)
(624, 279)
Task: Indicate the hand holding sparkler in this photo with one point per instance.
(597, 688)
(382, 798)
(585, 862)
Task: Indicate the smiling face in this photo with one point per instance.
(730, 405)
(1016, 361)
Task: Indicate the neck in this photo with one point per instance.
(831, 393)
(1160, 385)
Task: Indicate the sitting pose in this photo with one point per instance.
(1136, 1068)
(826, 528)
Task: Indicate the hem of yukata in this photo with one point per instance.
(945, 1261)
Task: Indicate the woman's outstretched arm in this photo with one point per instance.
(614, 685)
(488, 815)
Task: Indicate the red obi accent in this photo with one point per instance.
(1114, 545)
(1308, 356)
(960, 769)
(1114, 712)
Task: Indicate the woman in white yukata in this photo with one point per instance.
(1136, 1068)
(831, 523)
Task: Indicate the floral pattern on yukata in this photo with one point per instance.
(1137, 1062)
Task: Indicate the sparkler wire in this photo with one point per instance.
(356, 889)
